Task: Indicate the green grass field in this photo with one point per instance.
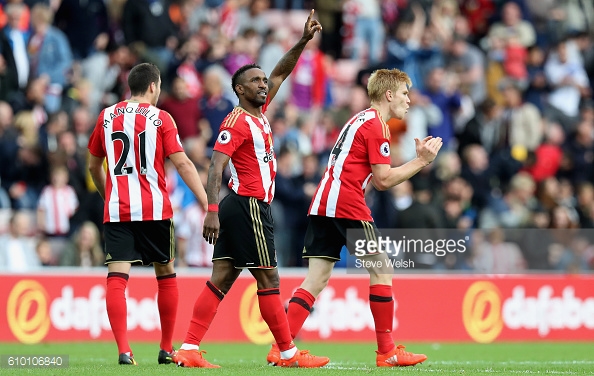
(100, 358)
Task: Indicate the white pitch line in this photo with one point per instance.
(440, 370)
(514, 362)
(424, 368)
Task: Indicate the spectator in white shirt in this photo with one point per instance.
(57, 204)
(17, 250)
(569, 82)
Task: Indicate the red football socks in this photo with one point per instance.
(299, 309)
(273, 312)
(204, 312)
(382, 309)
(167, 300)
(115, 302)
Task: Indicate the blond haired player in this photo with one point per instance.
(360, 155)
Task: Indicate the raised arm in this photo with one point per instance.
(286, 64)
(218, 163)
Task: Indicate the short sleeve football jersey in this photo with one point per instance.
(247, 140)
(135, 138)
(363, 141)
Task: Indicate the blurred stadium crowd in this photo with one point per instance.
(507, 84)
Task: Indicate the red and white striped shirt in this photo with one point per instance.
(135, 138)
(363, 141)
(58, 205)
(248, 141)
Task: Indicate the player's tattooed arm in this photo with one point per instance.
(218, 162)
(287, 63)
(215, 176)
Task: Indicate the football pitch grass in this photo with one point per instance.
(100, 358)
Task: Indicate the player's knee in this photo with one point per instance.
(223, 281)
(225, 286)
(267, 280)
(316, 283)
(322, 283)
(381, 275)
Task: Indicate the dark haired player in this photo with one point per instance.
(135, 137)
(243, 229)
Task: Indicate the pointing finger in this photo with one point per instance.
(310, 15)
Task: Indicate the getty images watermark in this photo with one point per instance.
(388, 249)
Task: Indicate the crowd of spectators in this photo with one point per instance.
(507, 84)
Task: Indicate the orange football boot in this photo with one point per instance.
(273, 356)
(192, 359)
(399, 358)
(303, 359)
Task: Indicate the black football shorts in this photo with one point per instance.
(246, 235)
(144, 242)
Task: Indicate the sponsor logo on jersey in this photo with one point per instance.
(268, 156)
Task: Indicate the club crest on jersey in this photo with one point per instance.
(385, 149)
(224, 137)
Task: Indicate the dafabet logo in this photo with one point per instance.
(27, 311)
(481, 312)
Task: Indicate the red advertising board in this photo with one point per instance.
(69, 307)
